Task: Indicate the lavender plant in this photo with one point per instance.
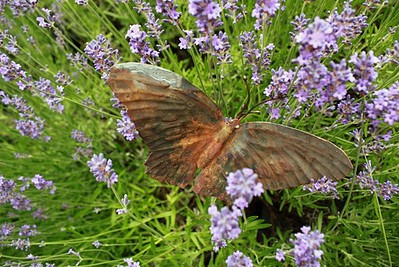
(73, 189)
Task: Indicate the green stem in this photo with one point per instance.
(143, 224)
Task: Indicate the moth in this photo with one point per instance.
(191, 141)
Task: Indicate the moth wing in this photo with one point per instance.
(282, 156)
(174, 118)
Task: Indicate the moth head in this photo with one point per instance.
(232, 123)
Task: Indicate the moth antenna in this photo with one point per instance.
(246, 104)
(243, 115)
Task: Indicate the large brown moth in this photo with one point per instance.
(185, 131)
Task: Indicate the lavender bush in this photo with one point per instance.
(73, 189)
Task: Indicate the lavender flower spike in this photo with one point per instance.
(264, 10)
(280, 255)
(224, 225)
(126, 127)
(238, 259)
(207, 13)
(131, 263)
(140, 45)
(323, 185)
(168, 9)
(242, 186)
(364, 71)
(102, 54)
(102, 170)
(307, 247)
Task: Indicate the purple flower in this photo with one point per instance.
(97, 244)
(116, 103)
(386, 137)
(140, 45)
(31, 257)
(25, 185)
(338, 78)
(102, 170)
(142, 6)
(280, 83)
(5, 98)
(19, 103)
(324, 186)
(348, 109)
(82, 2)
(373, 4)
(216, 45)
(28, 230)
(187, 41)
(316, 84)
(346, 24)
(62, 79)
(365, 180)
(11, 45)
(124, 201)
(300, 23)
(307, 247)
(242, 186)
(48, 22)
(258, 58)
(168, 9)
(21, 244)
(275, 113)
(6, 228)
(317, 35)
(20, 202)
(130, 263)
(341, 74)
(41, 184)
(238, 259)
(81, 137)
(154, 27)
(263, 12)
(387, 189)
(10, 70)
(364, 71)
(19, 8)
(235, 11)
(32, 128)
(315, 41)
(392, 55)
(102, 54)
(224, 225)
(221, 45)
(134, 32)
(126, 127)
(207, 14)
(50, 95)
(280, 255)
(43, 23)
(384, 106)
